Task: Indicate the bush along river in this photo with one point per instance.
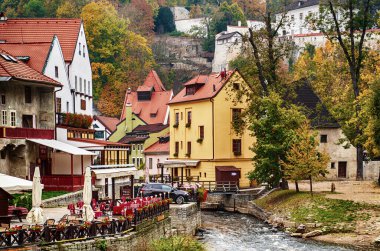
(226, 231)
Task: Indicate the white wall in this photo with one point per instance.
(62, 163)
(179, 13)
(97, 126)
(225, 51)
(155, 160)
(56, 59)
(186, 25)
(80, 68)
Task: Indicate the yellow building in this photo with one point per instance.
(203, 143)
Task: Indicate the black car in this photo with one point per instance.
(152, 189)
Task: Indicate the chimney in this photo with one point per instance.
(239, 23)
(3, 18)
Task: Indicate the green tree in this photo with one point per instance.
(274, 124)
(303, 160)
(164, 22)
(35, 8)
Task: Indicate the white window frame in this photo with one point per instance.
(13, 119)
(4, 114)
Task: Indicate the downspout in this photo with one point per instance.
(55, 112)
(213, 136)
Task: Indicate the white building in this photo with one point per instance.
(155, 155)
(104, 126)
(228, 44)
(66, 60)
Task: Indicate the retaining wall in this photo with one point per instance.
(63, 200)
(186, 218)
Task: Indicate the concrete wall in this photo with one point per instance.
(63, 200)
(185, 25)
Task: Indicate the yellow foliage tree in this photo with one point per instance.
(304, 160)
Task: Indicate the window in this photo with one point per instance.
(201, 132)
(176, 118)
(188, 148)
(133, 147)
(134, 160)
(56, 71)
(236, 114)
(13, 118)
(292, 17)
(301, 16)
(189, 117)
(204, 174)
(99, 135)
(76, 83)
(150, 163)
(332, 165)
(4, 117)
(141, 148)
(89, 88)
(323, 138)
(236, 146)
(84, 85)
(176, 150)
(28, 94)
(80, 84)
(58, 105)
(80, 48)
(67, 106)
(84, 52)
(236, 86)
(83, 104)
(3, 99)
(190, 90)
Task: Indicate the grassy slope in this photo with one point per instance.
(335, 215)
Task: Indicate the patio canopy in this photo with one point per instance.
(180, 163)
(13, 184)
(113, 172)
(64, 147)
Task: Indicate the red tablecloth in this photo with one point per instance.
(98, 214)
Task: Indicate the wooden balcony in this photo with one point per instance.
(57, 182)
(23, 133)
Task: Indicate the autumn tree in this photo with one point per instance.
(251, 8)
(119, 57)
(346, 23)
(303, 160)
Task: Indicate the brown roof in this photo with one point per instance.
(209, 88)
(158, 148)
(130, 139)
(108, 122)
(15, 69)
(227, 169)
(157, 104)
(37, 53)
(99, 142)
(32, 30)
(151, 128)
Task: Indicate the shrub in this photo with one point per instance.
(177, 243)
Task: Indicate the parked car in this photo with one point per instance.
(152, 189)
(18, 212)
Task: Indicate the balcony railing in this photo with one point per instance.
(63, 182)
(23, 133)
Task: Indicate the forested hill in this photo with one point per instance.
(120, 35)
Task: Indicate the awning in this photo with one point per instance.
(13, 184)
(180, 163)
(113, 172)
(64, 147)
(227, 169)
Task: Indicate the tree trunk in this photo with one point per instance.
(297, 189)
(359, 162)
(284, 184)
(311, 185)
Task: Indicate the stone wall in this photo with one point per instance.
(63, 200)
(133, 241)
(186, 218)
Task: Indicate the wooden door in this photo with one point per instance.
(342, 169)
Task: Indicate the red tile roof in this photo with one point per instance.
(151, 111)
(20, 71)
(32, 30)
(158, 148)
(108, 122)
(38, 53)
(150, 128)
(211, 85)
(98, 142)
(152, 80)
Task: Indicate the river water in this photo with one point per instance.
(238, 232)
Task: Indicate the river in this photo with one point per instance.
(238, 232)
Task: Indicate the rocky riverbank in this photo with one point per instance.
(334, 221)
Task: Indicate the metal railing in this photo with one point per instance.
(36, 235)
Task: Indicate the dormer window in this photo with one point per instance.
(190, 90)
